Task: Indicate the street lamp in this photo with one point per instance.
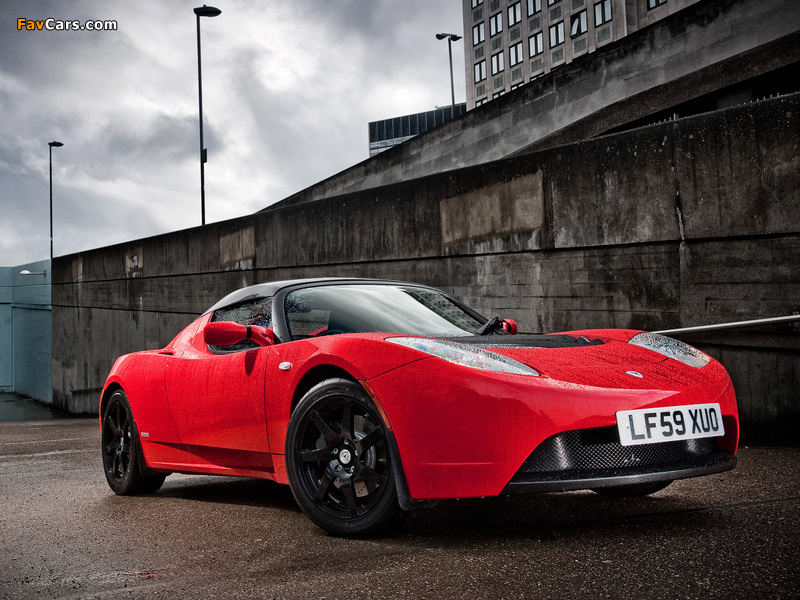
(451, 37)
(52, 145)
(43, 272)
(202, 11)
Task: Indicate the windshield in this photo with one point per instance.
(328, 310)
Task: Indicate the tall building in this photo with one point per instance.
(511, 42)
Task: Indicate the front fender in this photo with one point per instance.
(358, 356)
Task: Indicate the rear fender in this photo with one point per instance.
(141, 376)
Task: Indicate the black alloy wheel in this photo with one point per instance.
(123, 464)
(339, 461)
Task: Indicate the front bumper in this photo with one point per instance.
(594, 458)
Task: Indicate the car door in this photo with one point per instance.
(217, 401)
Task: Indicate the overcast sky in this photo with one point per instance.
(288, 90)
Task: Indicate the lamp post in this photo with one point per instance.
(451, 37)
(43, 272)
(52, 145)
(202, 11)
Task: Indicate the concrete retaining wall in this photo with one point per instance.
(686, 223)
(706, 49)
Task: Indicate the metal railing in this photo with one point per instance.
(734, 325)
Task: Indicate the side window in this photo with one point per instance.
(303, 316)
(257, 312)
(324, 311)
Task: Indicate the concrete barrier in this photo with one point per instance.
(684, 223)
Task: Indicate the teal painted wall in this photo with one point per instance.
(26, 349)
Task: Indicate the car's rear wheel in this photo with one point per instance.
(340, 462)
(123, 464)
(629, 491)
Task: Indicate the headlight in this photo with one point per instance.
(464, 355)
(671, 348)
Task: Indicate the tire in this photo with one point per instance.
(123, 463)
(339, 461)
(633, 490)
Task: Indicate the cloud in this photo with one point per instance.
(288, 90)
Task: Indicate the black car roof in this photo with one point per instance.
(269, 289)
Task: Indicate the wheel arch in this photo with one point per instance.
(112, 388)
(317, 375)
(322, 373)
(106, 395)
(145, 480)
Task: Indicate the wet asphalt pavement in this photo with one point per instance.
(63, 534)
(17, 408)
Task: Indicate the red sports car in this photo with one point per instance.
(371, 398)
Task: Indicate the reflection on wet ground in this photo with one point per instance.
(14, 407)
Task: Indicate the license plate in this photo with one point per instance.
(669, 423)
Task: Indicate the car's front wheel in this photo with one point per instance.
(123, 464)
(340, 462)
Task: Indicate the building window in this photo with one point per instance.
(478, 34)
(557, 34)
(476, 3)
(651, 4)
(579, 24)
(496, 24)
(514, 14)
(551, 2)
(602, 12)
(498, 63)
(515, 54)
(481, 101)
(535, 44)
(534, 6)
(480, 71)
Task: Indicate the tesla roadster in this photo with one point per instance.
(370, 398)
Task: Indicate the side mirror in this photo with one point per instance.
(227, 333)
(510, 326)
